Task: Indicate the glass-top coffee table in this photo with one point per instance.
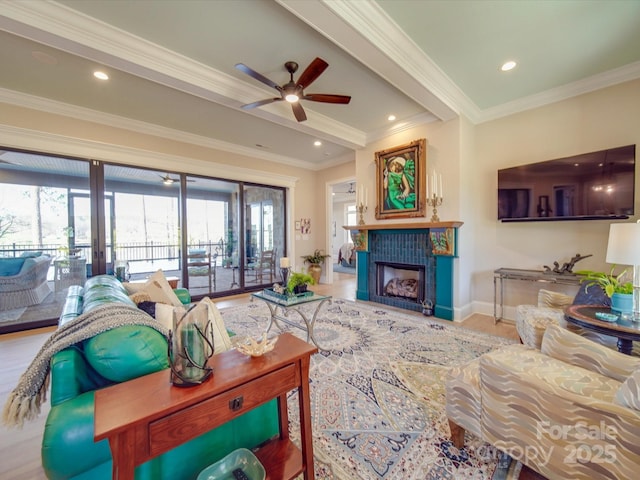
(293, 304)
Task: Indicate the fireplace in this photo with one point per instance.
(400, 280)
(407, 265)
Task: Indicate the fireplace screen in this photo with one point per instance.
(400, 280)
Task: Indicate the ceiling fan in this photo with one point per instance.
(293, 91)
(167, 180)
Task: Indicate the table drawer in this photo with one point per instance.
(202, 417)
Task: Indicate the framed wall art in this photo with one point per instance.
(401, 181)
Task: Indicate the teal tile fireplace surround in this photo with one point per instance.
(409, 245)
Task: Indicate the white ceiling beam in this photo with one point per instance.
(365, 31)
(71, 31)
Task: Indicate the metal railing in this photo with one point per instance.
(132, 252)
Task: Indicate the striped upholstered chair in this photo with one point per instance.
(569, 410)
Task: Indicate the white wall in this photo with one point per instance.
(594, 121)
(467, 156)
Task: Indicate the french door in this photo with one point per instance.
(88, 215)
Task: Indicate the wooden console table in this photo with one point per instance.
(160, 416)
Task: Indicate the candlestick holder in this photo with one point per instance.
(434, 202)
(284, 272)
(361, 209)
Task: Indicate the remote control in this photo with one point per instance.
(239, 474)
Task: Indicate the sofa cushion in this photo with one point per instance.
(10, 266)
(576, 350)
(127, 352)
(628, 395)
(103, 289)
(542, 369)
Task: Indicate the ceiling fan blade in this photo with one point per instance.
(260, 103)
(327, 98)
(298, 111)
(312, 72)
(258, 76)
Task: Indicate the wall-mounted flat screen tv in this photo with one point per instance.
(590, 186)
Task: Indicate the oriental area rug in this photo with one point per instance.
(377, 392)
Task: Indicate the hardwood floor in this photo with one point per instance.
(20, 449)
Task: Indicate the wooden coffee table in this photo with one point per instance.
(160, 416)
(584, 316)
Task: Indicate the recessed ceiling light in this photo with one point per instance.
(317, 143)
(100, 75)
(391, 118)
(510, 65)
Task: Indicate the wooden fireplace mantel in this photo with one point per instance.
(405, 226)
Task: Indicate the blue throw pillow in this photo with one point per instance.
(10, 266)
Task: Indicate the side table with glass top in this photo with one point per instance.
(69, 271)
(293, 304)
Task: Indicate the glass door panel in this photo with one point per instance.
(264, 234)
(38, 223)
(142, 221)
(212, 253)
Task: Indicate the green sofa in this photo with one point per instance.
(126, 352)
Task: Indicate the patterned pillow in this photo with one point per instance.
(157, 288)
(591, 295)
(628, 395)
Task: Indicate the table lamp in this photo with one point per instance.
(624, 249)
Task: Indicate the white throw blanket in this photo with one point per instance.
(26, 398)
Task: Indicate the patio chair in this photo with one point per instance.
(263, 267)
(200, 263)
(26, 287)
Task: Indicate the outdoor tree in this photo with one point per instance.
(7, 223)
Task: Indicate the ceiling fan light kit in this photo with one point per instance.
(293, 91)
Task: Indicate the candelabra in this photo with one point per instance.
(434, 202)
(361, 209)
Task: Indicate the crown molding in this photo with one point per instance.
(58, 108)
(610, 78)
(360, 26)
(367, 33)
(22, 138)
(76, 33)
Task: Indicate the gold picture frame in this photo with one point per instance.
(401, 181)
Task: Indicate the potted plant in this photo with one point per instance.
(315, 261)
(297, 282)
(616, 287)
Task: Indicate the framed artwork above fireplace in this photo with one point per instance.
(401, 181)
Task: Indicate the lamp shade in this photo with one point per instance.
(624, 244)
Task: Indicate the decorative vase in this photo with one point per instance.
(190, 346)
(315, 270)
(622, 303)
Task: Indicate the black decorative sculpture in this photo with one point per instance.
(567, 267)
